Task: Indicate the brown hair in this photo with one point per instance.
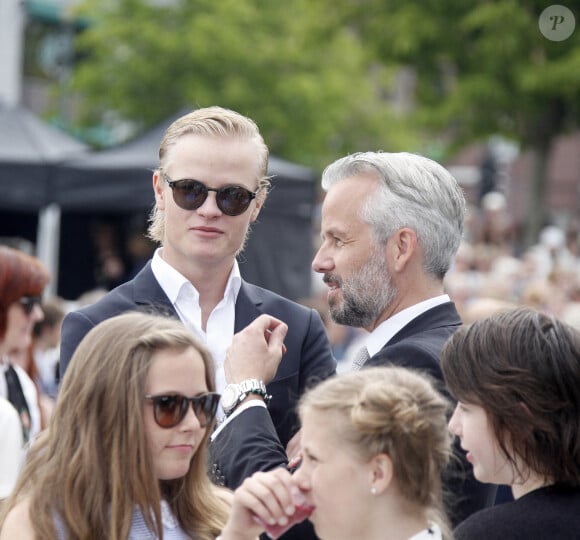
(523, 367)
(20, 275)
(92, 466)
(398, 412)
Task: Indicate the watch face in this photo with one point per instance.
(229, 397)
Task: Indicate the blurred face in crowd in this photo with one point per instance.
(206, 235)
(21, 317)
(354, 266)
(174, 372)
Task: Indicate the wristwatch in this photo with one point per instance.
(234, 394)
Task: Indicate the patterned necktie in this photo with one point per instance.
(360, 358)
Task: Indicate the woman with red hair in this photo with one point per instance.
(22, 281)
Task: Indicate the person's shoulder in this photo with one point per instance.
(477, 525)
(501, 520)
(17, 523)
(116, 301)
(556, 505)
(549, 512)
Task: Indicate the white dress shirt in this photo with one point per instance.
(185, 298)
(220, 324)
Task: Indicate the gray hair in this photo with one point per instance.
(414, 192)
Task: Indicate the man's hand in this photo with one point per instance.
(256, 351)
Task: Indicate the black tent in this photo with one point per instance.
(30, 153)
(30, 150)
(117, 182)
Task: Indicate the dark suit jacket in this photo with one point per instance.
(308, 360)
(418, 345)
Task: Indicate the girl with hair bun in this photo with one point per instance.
(374, 447)
(516, 376)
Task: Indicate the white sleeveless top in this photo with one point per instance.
(139, 529)
(171, 528)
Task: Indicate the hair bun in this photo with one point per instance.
(388, 408)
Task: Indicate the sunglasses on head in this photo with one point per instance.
(170, 410)
(28, 303)
(191, 194)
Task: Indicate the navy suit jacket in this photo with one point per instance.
(418, 345)
(308, 360)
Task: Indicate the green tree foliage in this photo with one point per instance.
(317, 75)
(305, 79)
(482, 68)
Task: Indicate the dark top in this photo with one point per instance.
(549, 513)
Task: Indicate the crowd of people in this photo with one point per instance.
(189, 403)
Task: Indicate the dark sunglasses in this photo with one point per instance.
(28, 303)
(191, 194)
(169, 411)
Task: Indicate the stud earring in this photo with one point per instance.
(373, 490)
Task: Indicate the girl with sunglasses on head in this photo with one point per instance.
(374, 447)
(125, 452)
(516, 376)
(22, 281)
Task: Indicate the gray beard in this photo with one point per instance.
(365, 295)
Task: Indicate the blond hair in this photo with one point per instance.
(92, 467)
(398, 412)
(211, 122)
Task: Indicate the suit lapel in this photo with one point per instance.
(247, 306)
(443, 315)
(148, 292)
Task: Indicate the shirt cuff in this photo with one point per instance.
(239, 410)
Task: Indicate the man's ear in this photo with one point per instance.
(403, 245)
(158, 189)
(259, 200)
(381, 472)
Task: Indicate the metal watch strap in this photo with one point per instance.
(255, 386)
